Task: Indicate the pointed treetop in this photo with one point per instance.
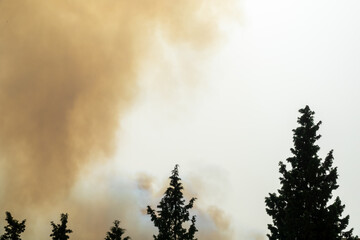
(116, 232)
(60, 231)
(301, 209)
(14, 228)
(172, 212)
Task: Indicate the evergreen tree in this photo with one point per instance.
(13, 229)
(172, 213)
(301, 209)
(60, 231)
(116, 232)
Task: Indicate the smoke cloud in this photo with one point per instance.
(68, 73)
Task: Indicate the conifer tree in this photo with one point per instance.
(172, 213)
(60, 231)
(303, 208)
(14, 228)
(116, 232)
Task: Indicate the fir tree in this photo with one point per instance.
(14, 228)
(60, 231)
(172, 213)
(116, 232)
(301, 209)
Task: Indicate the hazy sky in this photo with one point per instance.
(221, 103)
(234, 126)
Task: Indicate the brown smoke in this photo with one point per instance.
(214, 224)
(68, 73)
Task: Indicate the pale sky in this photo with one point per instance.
(232, 125)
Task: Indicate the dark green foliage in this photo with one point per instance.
(13, 229)
(172, 213)
(301, 209)
(60, 231)
(116, 232)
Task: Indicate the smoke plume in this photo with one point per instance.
(68, 73)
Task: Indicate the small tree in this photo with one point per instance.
(116, 232)
(14, 228)
(173, 213)
(60, 231)
(301, 209)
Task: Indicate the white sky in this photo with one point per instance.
(233, 125)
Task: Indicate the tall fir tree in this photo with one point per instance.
(172, 213)
(301, 209)
(60, 231)
(116, 232)
(14, 228)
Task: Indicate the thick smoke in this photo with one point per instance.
(68, 73)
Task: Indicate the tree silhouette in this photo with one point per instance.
(60, 231)
(172, 213)
(300, 210)
(116, 232)
(13, 229)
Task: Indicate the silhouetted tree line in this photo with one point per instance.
(300, 210)
(170, 218)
